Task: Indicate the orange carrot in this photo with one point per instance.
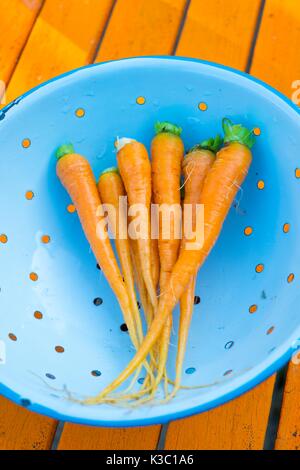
(220, 188)
(135, 170)
(111, 189)
(196, 166)
(167, 151)
(76, 176)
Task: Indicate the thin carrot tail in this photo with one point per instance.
(186, 313)
(149, 341)
(145, 250)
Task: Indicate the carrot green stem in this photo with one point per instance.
(112, 169)
(213, 144)
(167, 128)
(63, 150)
(237, 133)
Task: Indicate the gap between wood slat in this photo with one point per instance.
(255, 36)
(275, 410)
(104, 32)
(26, 40)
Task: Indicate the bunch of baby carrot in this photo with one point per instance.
(163, 270)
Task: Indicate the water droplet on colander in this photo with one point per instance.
(102, 152)
(292, 140)
(189, 87)
(66, 109)
(193, 120)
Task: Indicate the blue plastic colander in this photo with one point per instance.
(59, 322)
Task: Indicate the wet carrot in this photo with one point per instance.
(135, 170)
(220, 188)
(76, 176)
(195, 168)
(111, 189)
(167, 151)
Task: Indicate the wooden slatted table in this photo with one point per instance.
(257, 36)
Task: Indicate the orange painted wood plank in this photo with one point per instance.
(16, 20)
(222, 31)
(142, 27)
(75, 437)
(277, 58)
(219, 31)
(277, 61)
(288, 437)
(21, 429)
(238, 425)
(137, 27)
(65, 36)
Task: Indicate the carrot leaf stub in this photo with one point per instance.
(237, 133)
(63, 150)
(213, 144)
(167, 128)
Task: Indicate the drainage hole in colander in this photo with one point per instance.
(59, 349)
(3, 238)
(98, 267)
(98, 301)
(124, 327)
(26, 143)
(141, 100)
(50, 376)
(229, 345)
(141, 380)
(190, 370)
(270, 330)
(253, 309)
(38, 315)
(25, 402)
(96, 373)
(29, 195)
(139, 305)
(197, 300)
(80, 112)
(12, 337)
(228, 372)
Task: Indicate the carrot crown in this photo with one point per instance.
(63, 150)
(112, 169)
(167, 128)
(237, 133)
(213, 144)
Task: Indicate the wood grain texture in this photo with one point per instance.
(277, 57)
(142, 27)
(219, 31)
(21, 429)
(65, 36)
(16, 20)
(75, 437)
(277, 61)
(222, 31)
(136, 27)
(238, 425)
(288, 437)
